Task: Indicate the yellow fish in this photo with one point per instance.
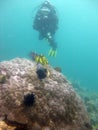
(39, 58)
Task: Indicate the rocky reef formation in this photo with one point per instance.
(90, 97)
(28, 103)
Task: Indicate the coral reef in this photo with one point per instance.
(92, 108)
(32, 104)
(91, 102)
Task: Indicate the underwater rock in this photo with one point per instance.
(54, 105)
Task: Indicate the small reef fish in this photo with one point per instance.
(39, 58)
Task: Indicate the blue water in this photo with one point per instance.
(77, 36)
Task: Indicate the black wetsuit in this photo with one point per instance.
(46, 22)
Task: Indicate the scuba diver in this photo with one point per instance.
(46, 22)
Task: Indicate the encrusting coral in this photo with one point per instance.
(47, 104)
